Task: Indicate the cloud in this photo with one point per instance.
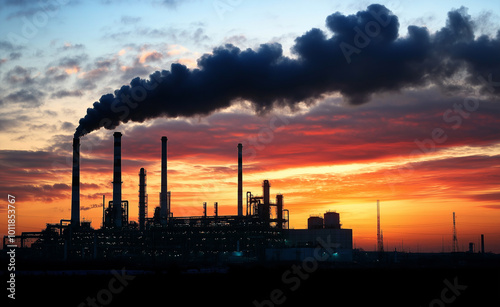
(69, 46)
(350, 62)
(65, 93)
(67, 126)
(495, 196)
(15, 55)
(72, 61)
(20, 75)
(490, 206)
(7, 46)
(25, 98)
(127, 20)
(150, 56)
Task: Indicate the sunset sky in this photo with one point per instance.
(410, 118)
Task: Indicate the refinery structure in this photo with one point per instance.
(259, 232)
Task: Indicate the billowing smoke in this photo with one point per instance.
(362, 56)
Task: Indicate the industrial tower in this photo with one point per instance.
(454, 248)
(380, 240)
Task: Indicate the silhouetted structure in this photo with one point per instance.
(75, 185)
(143, 202)
(261, 234)
(380, 238)
(455, 239)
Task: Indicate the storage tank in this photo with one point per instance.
(332, 220)
(315, 222)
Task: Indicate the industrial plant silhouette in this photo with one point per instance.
(259, 232)
(253, 257)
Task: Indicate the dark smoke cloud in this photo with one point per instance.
(363, 56)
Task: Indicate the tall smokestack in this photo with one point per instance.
(75, 185)
(142, 199)
(240, 180)
(164, 210)
(117, 180)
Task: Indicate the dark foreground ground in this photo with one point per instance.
(301, 284)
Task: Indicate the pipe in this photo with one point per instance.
(240, 180)
(75, 185)
(164, 210)
(117, 180)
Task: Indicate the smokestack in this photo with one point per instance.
(266, 187)
(266, 209)
(117, 180)
(279, 209)
(240, 180)
(482, 243)
(142, 199)
(164, 210)
(75, 185)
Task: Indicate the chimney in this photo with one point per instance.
(279, 209)
(142, 199)
(266, 187)
(265, 207)
(117, 181)
(75, 185)
(240, 180)
(164, 210)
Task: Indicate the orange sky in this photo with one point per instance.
(328, 156)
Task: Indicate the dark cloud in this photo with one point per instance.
(199, 35)
(67, 126)
(72, 61)
(6, 124)
(15, 55)
(495, 196)
(364, 56)
(25, 98)
(7, 46)
(55, 74)
(66, 93)
(491, 206)
(20, 75)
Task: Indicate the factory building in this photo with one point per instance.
(258, 232)
(323, 235)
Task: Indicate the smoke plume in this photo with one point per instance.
(363, 55)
